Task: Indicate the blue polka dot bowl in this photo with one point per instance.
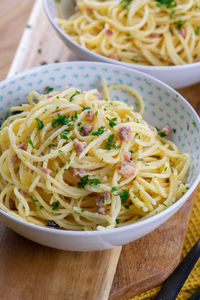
(163, 106)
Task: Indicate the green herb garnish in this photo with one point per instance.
(61, 120)
(64, 135)
(125, 3)
(30, 142)
(112, 122)
(47, 90)
(117, 221)
(72, 97)
(55, 205)
(167, 3)
(180, 24)
(109, 142)
(40, 124)
(99, 131)
(197, 30)
(124, 195)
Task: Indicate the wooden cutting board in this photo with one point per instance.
(29, 271)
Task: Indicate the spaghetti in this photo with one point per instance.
(146, 32)
(72, 161)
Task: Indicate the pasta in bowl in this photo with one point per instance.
(81, 169)
(156, 37)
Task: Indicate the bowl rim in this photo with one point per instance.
(140, 223)
(100, 57)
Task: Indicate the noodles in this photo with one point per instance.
(72, 161)
(146, 32)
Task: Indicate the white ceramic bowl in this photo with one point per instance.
(175, 76)
(162, 106)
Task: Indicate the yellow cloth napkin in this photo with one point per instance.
(192, 284)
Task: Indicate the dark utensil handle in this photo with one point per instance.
(196, 296)
(174, 283)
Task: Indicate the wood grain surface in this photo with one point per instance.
(30, 271)
(13, 16)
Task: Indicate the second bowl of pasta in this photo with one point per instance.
(157, 37)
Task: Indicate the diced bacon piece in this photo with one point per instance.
(77, 9)
(87, 129)
(109, 32)
(80, 146)
(89, 10)
(45, 170)
(97, 95)
(90, 115)
(14, 159)
(154, 35)
(127, 156)
(167, 130)
(127, 169)
(183, 32)
(103, 199)
(78, 172)
(106, 196)
(24, 194)
(49, 96)
(114, 56)
(124, 133)
(22, 146)
(12, 205)
(101, 211)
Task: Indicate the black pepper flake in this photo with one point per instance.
(51, 223)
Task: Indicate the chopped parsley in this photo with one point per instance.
(60, 151)
(165, 169)
(47, 90)
(85, 108)
(140, 159)
(43, 63)
(40, 124)
(61, 120)
(131, 151)
(197, 30)
(39, 50)
(124, 195)
(162, 134)
(128, 34)
(94, 181)
(164, 204)
(96, 113)
(112, 122)
(41, 207)
(125, 3)
(85, 180)
(117, 221)
(74, 116)
(180, 24)
(171, 16)
(34, 200)
(30, 142)
(72, 97)
(167, 3)
(114, 189)
(52, 145)
(64, 135)
(109, 142)
(99, 131)
(55, 205)
(174, 130)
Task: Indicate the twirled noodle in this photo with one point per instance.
(137, 31)
(75, 162)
